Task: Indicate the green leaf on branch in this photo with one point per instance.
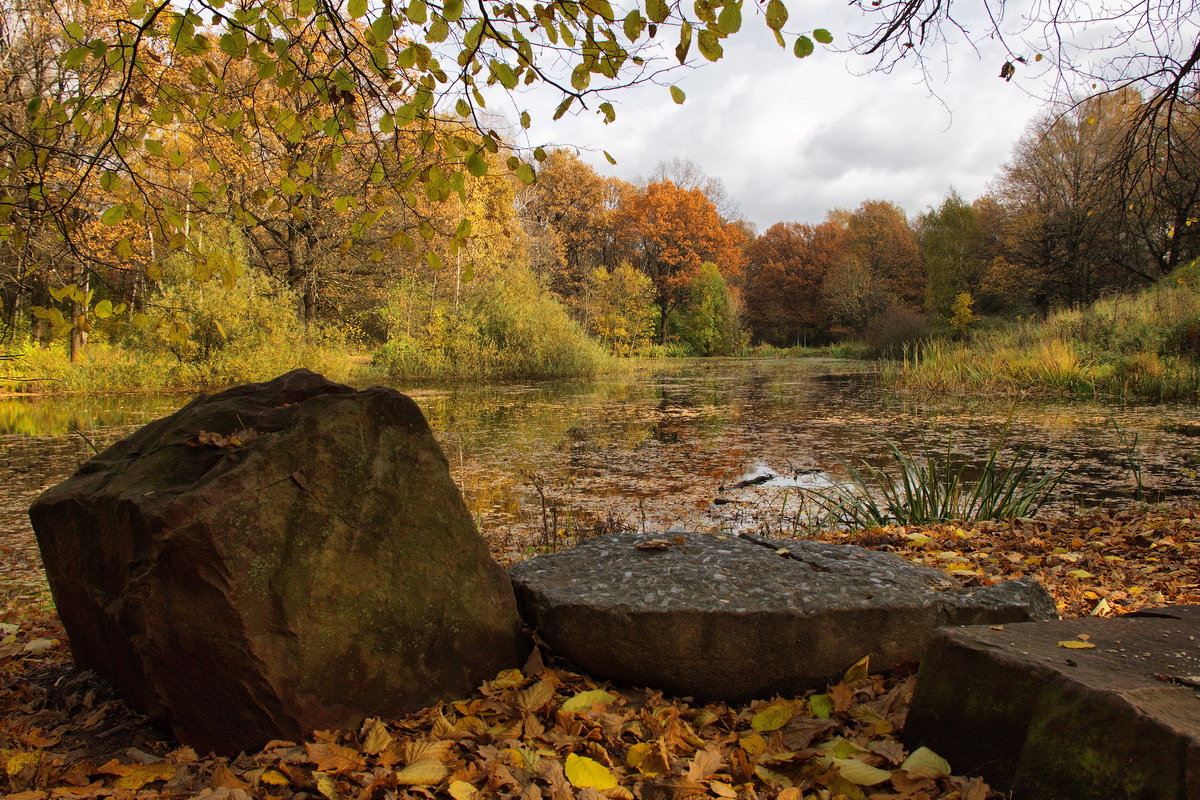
(730, 19)
(610, 159)
(823, 36)
(114, 215)
(804, 47)
(777, 15)
(525, 174)
(685, 42)
(677, 95)
(634, 24)
(477, 165)
(657, 10)
(710, 45)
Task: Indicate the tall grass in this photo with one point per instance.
(1144, 346)
(931, 487)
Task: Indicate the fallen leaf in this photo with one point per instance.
(924, 763)
(585, 700)
(375, 737)
(138, 776)
(773, 717)
(584, 773)
(536, 696)
(1075, 644)
(461, 790)
(426, 772)
(859, 772)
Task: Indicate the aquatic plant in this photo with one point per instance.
(935, 487)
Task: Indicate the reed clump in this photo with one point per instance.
(1140, 346)
(929, 486)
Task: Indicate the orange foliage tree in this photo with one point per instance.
(782, 284)
(668, 233)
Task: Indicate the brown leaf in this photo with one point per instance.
(333, 758)
(536, 696)
(706, 762)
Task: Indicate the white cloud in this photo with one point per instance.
(792, 138)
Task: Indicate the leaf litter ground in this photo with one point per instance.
(548, 732)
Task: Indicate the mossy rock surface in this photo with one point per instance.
(274, 559)
(1076, 709)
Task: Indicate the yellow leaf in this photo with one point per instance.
(722, 789)
(327, 786)
(635, 754)
(860, 773)
(924, 763)
(377, 738)
(585, 700)
(274, 777)
(426, 772)
(1080, 573)
(753, 743)
(142, 774)
(584, 773)
(461, 790)
(773, 717)
(1075, 644)
(857, 674)
(506, 679)
(19, 761)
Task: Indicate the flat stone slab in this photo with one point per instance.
(735, 618)
(1117, 721)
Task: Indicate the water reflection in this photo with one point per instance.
(655, 445)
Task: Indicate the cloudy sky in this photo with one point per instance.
(791, 139)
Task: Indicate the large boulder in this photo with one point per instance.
(730, 618)
(277, 558)
(1076, 709)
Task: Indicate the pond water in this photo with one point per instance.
(653, 447)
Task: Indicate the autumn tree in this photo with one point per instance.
(952, 249)
(782, 285)
(879, 237)
(566, 215)
(1066, 219)
(668, 233)
(618, 309)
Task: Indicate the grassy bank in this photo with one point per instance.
(1141, 346)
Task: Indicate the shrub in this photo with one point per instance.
(507, 326)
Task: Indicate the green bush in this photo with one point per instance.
(506, 326)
